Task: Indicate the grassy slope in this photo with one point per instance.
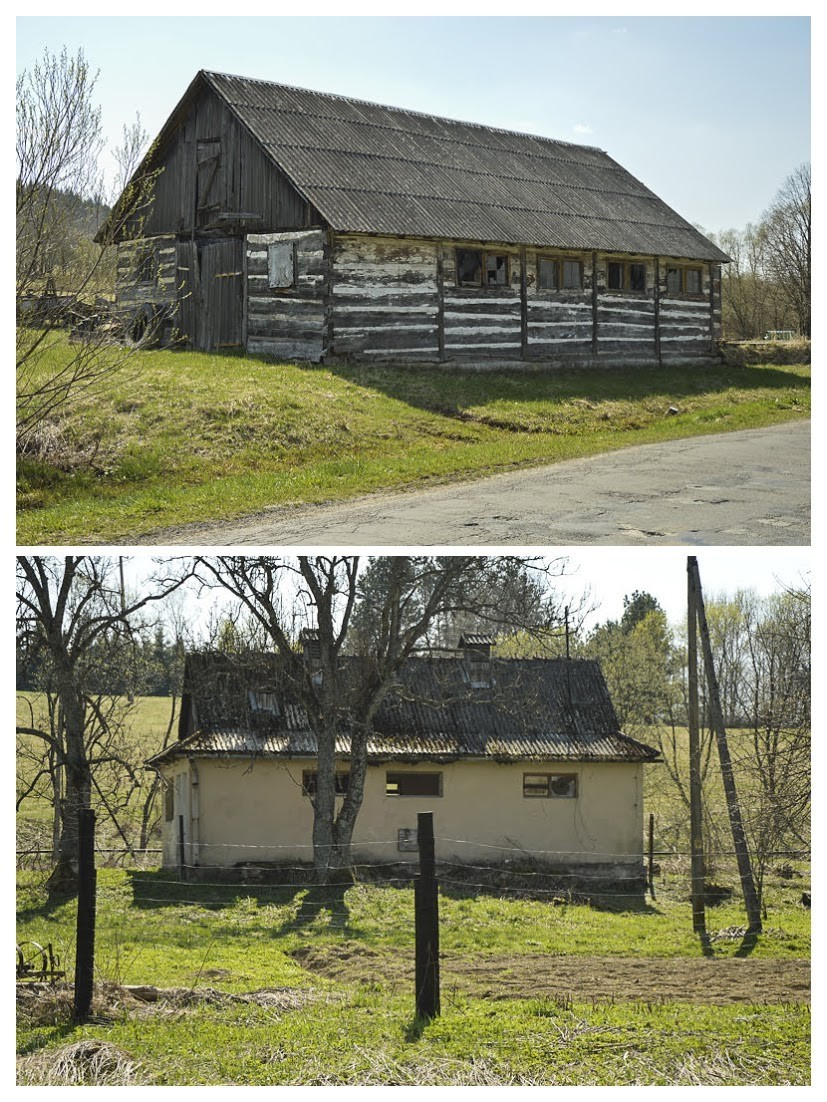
(178, 437)
(237, 939)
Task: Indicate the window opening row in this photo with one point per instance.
(535, 785)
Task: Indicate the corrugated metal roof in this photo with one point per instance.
(374, 169)
(533, 709)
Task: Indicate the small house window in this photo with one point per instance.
(687, 281)
(169, 803)
(480, 269)
(281, 265)
(310, 782)
(550, 785)
(556, 275)
(413, 784)
(626, 276)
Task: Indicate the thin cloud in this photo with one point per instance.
(582, 128)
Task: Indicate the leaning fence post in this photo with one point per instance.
(426, 910)
(85, 941)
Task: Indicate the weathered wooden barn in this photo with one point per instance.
(308, 226)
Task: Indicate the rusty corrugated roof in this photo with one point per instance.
(368, 168)
(532, 709)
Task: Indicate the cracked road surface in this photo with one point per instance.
(733, 488)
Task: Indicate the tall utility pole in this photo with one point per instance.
(751, 901)
(695, 810)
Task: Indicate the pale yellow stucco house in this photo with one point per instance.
(514, 757)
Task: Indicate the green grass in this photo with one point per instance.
(185, 437)
(361, 1028)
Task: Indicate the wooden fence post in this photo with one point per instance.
(652, 855)
(426, 921)
(85, 941)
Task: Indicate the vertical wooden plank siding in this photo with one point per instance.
(244, 296)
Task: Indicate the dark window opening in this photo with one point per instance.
(626, 276)
(413, 784)
(310, 783)
(550, 785)
(476, 268)
(169, 803)
(469, 267)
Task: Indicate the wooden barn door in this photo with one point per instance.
(220, 278)
(210, 284)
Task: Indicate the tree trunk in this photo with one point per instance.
(78, 790)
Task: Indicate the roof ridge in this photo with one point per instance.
(401, 110)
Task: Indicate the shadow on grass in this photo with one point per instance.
(450, 393)
(307, 902)
(415, 1028)
(623, 900)
(748, 943)
(157, 888)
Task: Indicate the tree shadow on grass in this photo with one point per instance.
(748, 943)
(307, 902)
(158, 888)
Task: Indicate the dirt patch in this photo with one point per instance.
(579, 979)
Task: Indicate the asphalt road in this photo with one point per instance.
(728, 489)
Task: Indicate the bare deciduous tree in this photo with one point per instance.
(75, 611)
(60, 271)
(787, 229)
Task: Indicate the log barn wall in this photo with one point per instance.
(145, 277)
(289, 322)
(399, 299)
(384, 300)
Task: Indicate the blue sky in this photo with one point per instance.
(712, 113)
